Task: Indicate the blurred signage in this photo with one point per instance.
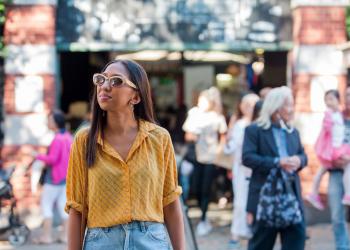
(173, 25)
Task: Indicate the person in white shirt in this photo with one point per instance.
(205, 125)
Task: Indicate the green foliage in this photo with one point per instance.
(2, 22)
(348, 22)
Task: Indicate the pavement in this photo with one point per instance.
(321, 236)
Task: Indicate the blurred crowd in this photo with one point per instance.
(260, 151)
(253, 157)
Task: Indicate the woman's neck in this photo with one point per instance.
(120, 123)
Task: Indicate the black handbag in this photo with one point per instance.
(278, 205)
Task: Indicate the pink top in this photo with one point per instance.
(58, 156)
(324, 148)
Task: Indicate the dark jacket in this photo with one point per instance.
(259, 154)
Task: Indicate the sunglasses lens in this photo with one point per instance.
(98, 79)
(116, 81)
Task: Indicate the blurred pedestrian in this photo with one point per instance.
(122, 173)
(205, 126)
(273, 150)
(336, 187)
(241, 174)
(54, 181)
(330, 146)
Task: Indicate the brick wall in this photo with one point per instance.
(29, 35)
(319, 25)
(317, 66)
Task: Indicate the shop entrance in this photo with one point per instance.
(76, 70)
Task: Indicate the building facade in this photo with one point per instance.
(54, 46)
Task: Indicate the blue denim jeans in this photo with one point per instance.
(335, 195)
(135, 235)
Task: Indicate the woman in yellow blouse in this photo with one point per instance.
(122, 170)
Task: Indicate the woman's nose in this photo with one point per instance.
(106, 85)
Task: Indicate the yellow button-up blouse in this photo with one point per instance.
(123, 191)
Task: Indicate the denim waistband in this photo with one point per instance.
(140, 225)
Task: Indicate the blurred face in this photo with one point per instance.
(286, 112)
(247, 106)
(332, 102)
(203, 103)
(116, 98)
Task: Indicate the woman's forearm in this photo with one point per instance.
(175, 226)
(74, 224)
(190, 137)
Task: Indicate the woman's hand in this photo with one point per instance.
(250, 219)
(295, 161)
(290, 164)
(286, 164)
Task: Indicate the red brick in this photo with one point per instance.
(301, 91)
(30, 25)
(319, 25)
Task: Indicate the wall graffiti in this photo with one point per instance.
(165, 24)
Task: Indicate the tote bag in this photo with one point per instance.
(278, 205)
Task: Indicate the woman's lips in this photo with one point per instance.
(104, 97)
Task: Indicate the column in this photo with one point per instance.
(318, 27)
(29, 91)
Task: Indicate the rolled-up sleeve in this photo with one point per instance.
(171, 188)
(75, 174)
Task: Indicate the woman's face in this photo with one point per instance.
(286, 112)
(115, 98)
(203, 103)
(332, 102)
(247, 107)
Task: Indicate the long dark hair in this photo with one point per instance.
(143, 110)
(59, 119)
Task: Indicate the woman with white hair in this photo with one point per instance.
(272, 150)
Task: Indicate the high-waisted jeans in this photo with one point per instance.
(136, 235)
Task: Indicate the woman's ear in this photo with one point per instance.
(136, 99)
